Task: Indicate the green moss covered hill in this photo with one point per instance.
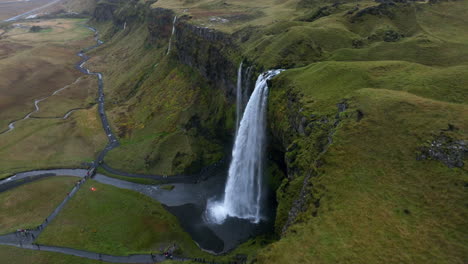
(368, 127)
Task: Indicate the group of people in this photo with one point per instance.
(25, 233)
(168, 255)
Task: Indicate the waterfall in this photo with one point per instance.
(243, 192)
(239, 101)
(246, 86)
(172, 34)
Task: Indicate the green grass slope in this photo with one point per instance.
(28, 205)
(376, 201)
(357, 189)
(370, 87)
(115, 221)
(169, 120)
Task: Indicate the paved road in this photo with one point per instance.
(26, 239)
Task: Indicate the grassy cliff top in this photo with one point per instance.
(231, 15)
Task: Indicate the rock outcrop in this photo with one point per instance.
(207, 50)
(450, 151)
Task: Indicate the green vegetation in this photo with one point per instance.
(49, 55)
(82, 93)
(51, 143)
(392, 202)
(232, 15)
(25, 256)
(116, 221)
(370, 84)
(168, 118)
(368, 198)
(28, 205)
(121, 222)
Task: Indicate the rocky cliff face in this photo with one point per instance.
(216, 56)
(104, 11)
(210, 52)
(207, 51)
(159, 23)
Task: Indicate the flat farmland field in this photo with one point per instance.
(34, 65)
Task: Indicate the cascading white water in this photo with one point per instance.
(239, 101)
(243, 192)
(172, 34)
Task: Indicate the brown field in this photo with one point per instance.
(34, 65)
(81, 94)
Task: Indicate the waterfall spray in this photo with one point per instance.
(172, 34)
(243, 192)
(239, 101)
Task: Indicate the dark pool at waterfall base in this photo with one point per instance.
(187, 201)
(217, 238)
(213, 237)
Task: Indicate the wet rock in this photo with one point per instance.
(359, 115)
(307, 197)
(302, 125)
(358, 43)
(104, 10)
(352, 11)
(342, 106)
(218, 20)
(321, 12)
(206, 50)
(452, 152)
(160, 26)
(392, 36)
(384, 9)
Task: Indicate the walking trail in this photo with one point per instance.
(26, 238)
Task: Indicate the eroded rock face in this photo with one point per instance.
(105, 10)
(160, 25)
(206, 50)
(452, 152)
